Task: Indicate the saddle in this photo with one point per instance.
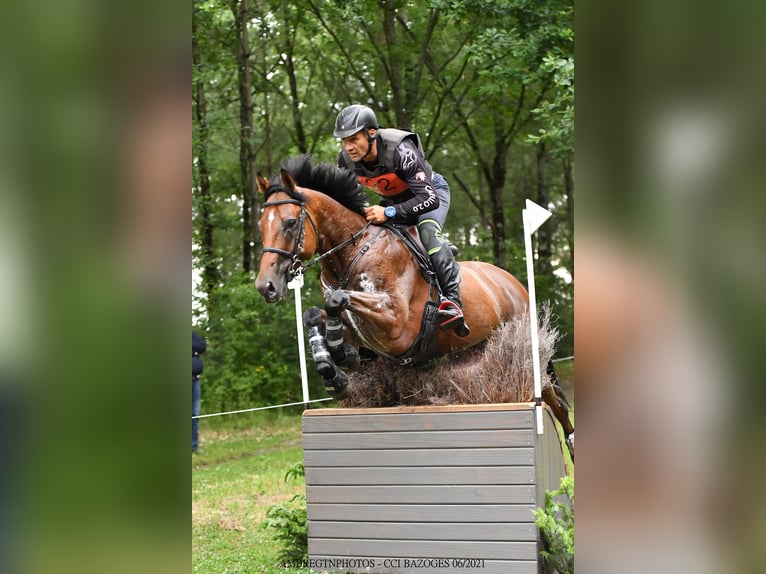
(424, 347)
(408, 234)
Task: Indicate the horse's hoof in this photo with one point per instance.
(337, 386)
(351, 361)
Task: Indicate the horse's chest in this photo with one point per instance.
(366, 284)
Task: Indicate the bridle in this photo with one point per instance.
(296, 265)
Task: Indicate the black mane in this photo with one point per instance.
(325, 178)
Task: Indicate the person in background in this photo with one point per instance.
(198, 347)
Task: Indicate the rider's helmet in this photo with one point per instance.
(352, 119)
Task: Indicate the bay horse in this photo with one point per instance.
(376, 292)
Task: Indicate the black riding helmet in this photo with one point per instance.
(352, 119)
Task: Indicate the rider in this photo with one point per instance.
(392, 163)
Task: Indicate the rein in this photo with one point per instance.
(297, 267)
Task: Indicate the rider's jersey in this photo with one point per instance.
(401, 173)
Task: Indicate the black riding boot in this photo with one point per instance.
(448, 274)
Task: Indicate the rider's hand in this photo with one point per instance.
(375, 214)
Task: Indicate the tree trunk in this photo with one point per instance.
(496, 193)
(393, 65)
(250, 237)
(267, 164)
(544, 246)
(569, 191)
(210, 272)
(295, 103)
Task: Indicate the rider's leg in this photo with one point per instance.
(447, 273)
(443, 259)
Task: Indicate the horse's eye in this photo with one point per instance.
(289, 225)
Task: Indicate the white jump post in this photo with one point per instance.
(295, 284)
(534, 216)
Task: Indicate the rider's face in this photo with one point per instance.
(357, 146)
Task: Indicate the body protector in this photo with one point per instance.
(383, 177)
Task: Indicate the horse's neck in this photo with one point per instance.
(335, 222)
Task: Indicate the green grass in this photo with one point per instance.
(238, 475)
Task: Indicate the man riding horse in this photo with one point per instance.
(392, 163)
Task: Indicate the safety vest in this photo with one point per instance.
(383, 179)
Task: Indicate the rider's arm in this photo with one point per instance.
(410, 168)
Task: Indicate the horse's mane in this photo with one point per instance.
(326, 178)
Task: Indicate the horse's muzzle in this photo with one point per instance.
(271, 292)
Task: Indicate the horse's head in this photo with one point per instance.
(285, 237)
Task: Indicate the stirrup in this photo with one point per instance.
(450, 311)
(454, 318)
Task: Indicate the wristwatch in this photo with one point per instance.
(390, 211)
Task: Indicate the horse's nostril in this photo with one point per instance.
(270, 288)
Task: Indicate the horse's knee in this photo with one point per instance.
(337, 302)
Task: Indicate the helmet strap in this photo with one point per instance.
(370, 141)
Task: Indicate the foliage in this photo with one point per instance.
(243, 366)
(557, 114)
(289, 522)
(556, 522)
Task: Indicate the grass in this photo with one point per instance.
(238, 475)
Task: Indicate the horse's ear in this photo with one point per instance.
(263, 183)
(287, 180)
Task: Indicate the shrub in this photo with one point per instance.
(556, 522)
(289, 522)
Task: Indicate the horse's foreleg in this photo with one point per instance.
(335, 380)
(342, 353)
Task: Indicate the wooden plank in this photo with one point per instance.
(422, 512)
(505, 494)
(421, 457)
(420, 409)
(382, 565)
(414, 440)
(423, 548)
(422, 475)
(511, 532)
(471, 420)
(549, 457)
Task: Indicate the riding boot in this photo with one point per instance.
(448, 274)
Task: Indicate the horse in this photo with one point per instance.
(376, 292)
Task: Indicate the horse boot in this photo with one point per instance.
(312, 320)
(451, 309)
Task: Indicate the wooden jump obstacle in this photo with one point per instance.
(428, 489)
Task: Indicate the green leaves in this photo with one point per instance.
(289, 522)
(556, 523)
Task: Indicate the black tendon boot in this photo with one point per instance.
(448, 274)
